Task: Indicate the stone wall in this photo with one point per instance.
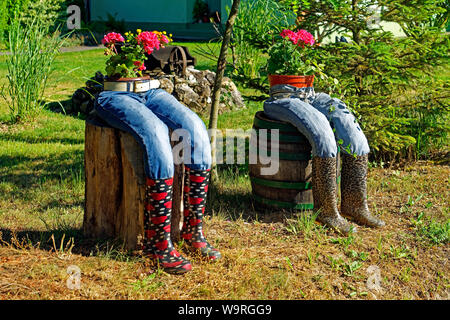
(194, 91)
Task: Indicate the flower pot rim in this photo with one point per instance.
(127, 79)
(299, 81)
(290, 75)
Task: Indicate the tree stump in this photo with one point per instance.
(115, 186)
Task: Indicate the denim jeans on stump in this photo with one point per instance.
(147, 116)
(315, 116)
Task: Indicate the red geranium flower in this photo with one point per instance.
(128, 53)
(112, 38)
(140, 65)
(300, 37)
(149, 40)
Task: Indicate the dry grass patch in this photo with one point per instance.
(266, 255)
(263, 259)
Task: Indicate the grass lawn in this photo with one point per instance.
(266, 255)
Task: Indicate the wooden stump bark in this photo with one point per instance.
(115, 186)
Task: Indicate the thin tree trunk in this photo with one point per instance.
(221, 64)
(356, 31)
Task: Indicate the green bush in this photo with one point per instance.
(29, 65)
(403, 111)
(3, 19)
(256, 25)
(8, 10)
(50, 12)
(389, 82)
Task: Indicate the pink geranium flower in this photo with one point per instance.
(149, 41)
(306, 37)
(164, 39)
(300, 37)
(129, 53)
(286, 33)
(112, 38)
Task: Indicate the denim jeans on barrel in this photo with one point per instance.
(325, 121)
(148, 117)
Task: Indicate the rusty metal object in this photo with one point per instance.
(171, 59)
(178, 61)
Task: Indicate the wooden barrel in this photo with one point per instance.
(290, 187)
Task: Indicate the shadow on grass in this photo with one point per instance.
(65, 107)
(230, 196)
(42, 133)
(65, 241)
(52, 204)
(61, 106)
(239, 203)
(36, 139)
(233, 203)
(40, 169)
(257, 98)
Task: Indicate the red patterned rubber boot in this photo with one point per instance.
(195, 190)
(158, 244)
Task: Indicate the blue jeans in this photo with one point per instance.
(316, 116)
(147, 116)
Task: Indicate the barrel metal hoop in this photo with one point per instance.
(263, 124)
(283, 204)
(286, 185)
(287, 137)
(289, 156)
(281, 184)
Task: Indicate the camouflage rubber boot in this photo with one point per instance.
(354, 191)
(325, 197)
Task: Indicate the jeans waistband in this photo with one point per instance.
(139, 86)
(282, 91)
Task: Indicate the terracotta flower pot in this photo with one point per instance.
(296, 81)
(139, 84)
